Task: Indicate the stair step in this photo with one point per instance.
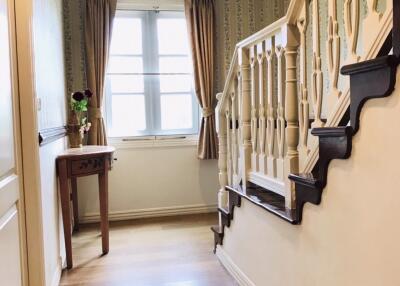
(217, 229)
(369, 65)
(267, 200)
(218, 235)
(306, 179)
(341, 131)
(225, 217)
(223, 211)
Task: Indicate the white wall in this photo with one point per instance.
(352, 238)
(153, 181)
(50, 89)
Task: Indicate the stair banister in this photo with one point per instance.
(266, 110)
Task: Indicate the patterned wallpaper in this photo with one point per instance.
(235, 20)
(74, 47)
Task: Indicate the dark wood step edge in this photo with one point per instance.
(234, 200)
(370, 79)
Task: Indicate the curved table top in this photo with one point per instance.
(86, 150)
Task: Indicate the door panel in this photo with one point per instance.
(9, 193)
(7, 161)
(10, 230)
(10, 270)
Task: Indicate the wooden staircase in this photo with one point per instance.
(369, 79)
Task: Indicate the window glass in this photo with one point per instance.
(126, 36)
(149, 83)
(172, 36)
(118, 64)
(176, 111)
(126, 83)
(128, 115)
(175, 65)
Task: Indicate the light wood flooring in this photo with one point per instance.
(174, 251)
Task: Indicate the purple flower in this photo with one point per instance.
(78, 96)
(88, 93)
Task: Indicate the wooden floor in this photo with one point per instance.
(174, 251)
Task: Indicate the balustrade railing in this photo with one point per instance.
(281, 83)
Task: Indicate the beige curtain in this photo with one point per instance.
(200, 21)
(98, 27)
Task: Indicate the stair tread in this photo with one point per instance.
(223, 211)
(369, 65)
(268, 200)
(339, 131)
(217, 229)
(307, 179)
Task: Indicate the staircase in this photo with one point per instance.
(274, 149)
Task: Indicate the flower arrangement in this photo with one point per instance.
(78, 125)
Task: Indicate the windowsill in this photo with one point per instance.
(154, 141)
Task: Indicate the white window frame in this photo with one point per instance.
(152, 93)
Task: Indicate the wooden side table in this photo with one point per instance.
(78, 162)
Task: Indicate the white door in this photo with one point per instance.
(11, 225)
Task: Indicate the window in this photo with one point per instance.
(149, 85)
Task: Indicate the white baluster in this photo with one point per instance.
(271, 161)
(234, 139)
(254, 119)
(304, 110)
(317, 80)
(333, 53)
(229, 144)
(371, 22)
(280, 128)
(291, 112)
(351, 22)
(261, 109)
(222, 160)
(245, 94)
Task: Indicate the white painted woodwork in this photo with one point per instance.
(351, 21)
(222, 159)
(317, 76)
(245, 116)
(259, 92)
(269, 55)
(254, 113)
(11, 272)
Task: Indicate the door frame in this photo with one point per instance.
(34, 271)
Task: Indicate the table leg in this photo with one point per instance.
(103, 195)
(66, 212)
(75, 203)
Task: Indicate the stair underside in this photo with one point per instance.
(267, 200)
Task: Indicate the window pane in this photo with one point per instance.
(175, 83)
(172, 36)
(176, 111)
(126, 83)
(125, 65)
(128, 115)
(127, 36)
(175, 65)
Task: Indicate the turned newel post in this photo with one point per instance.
(291, 112)
(245, 110)
(222, 156)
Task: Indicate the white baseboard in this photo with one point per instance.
(151, 212)
(233, 269)
(55, 281)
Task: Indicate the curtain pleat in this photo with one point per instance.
(98, 27)
(200, 22)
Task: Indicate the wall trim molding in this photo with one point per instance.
(154, 142)
(151, 212)
(241, 278)
(49, 135)
(55, 281)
